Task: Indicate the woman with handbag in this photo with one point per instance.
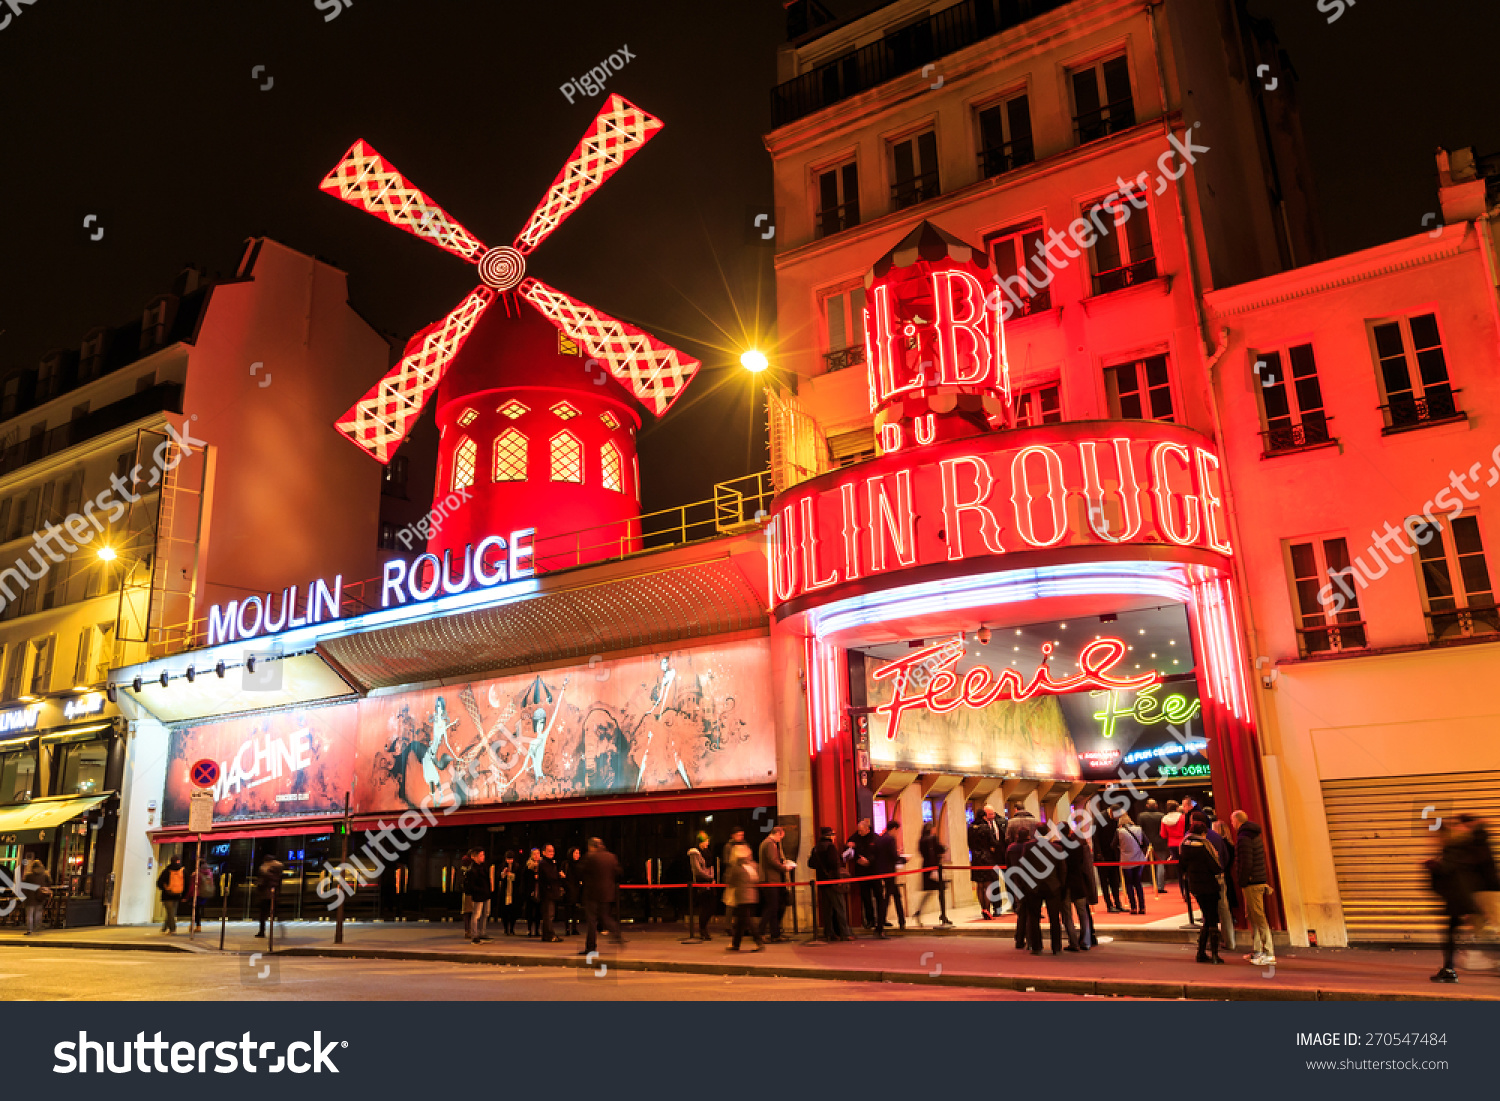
(742, 894)
(37, 892)
(1134, 848)
(932, 851)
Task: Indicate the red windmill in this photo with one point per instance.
(529, 435)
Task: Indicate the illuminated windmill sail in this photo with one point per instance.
(653, 372)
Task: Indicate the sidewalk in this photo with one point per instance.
(1129, 969)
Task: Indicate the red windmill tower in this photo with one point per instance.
(538, 395)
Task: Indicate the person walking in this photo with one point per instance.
(986, 851)
(932, 851)
(599, 886)
(1173, 829)
(1252, 876)
(37, 892)
(1022, 861)
(1487, 876)
(549, 892)
(862, 866)
(1149, 820)
(477, 887)
(1135, 850)
(573, 892)
(1454, 875)
(207, 889)
(465, 864)
(828, 868)
(773, 870)
(1106, 845)
(1082, 894)
(703, 878)
(736, 839)
(530, 880)
(508, 893)
(741, 895)
(886, 861)
(172, 883)
(1201, 871)
(267, 883)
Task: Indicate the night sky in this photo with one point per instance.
(146, 115)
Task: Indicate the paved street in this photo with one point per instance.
(31, 974)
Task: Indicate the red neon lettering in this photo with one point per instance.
(1093, 491)
(1213, 504)
(924, 429)
(810, 550)
(1021, 497)
(954, 507)
(890, 438)
(851, 531)
(783, 557)
(949, 327)
(886, 354)
(1166, 516)
(891, 524)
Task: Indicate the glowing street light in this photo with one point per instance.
(753, 361)
(107, 554)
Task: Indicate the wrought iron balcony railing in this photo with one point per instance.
(1142, 271)
(1295, 437)
(1438, 404)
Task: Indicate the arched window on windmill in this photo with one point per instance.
(567, 458)
(510, 456)
(610, 468)
(465, 457)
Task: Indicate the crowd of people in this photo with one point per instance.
(555, 898)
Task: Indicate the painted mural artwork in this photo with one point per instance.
(669, 722)
(291, 763)
(1006, 738)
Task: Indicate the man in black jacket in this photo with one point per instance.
(1252, 876)
(986, 851)
(828, 867)
(599, 873)
(549, 891)
(886, 860)
(1201, 871)
(477, 887)
(863, 844)
(1150, 822)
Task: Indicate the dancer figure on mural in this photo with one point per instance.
(541, 724)
(441, 725)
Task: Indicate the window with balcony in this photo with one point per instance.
(567, 458)
(1122, 254)
(914, 170)
(1414, 373)
(1010, 251)
(41, 665)
(1291, 400)
(1102, 100)
(1141, 390)
(611, 475)
(1005, 136)
(465, 459)
(1039, 405)
(1458, 595)
(15, 665)
(838, 199)
(1330, 621)
(510, 456)
(844, 328)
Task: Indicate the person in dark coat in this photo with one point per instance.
(1150, 822)
(1252, 876)
(549, 892)
(828, 868)
(1106, 845)
(529, 877)
(37, 892)
(700, 867)
(932, 851)
(1036, 880)
(742, 895)
(508, 893)
(1228, 894)
(572, 893)
(862, 864)
(1487, 888)
(1081, 890)
(598, 875)
(267, 884)
(986, 851)
(773, 872)
(1455, 875)
(886, 860)
(1202, 872)
(477, 887)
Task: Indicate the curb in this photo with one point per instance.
(107, 946)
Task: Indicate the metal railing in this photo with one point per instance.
(1116, 279)
(835, 219)
(1472, 622)
(852, 356)
(1295, 437)
(1103, 121)
(1332, 637)
(902, 51)
(1005, 158)
(917, 189)
(163, 397)
(1438, 404)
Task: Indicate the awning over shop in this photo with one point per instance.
(37, 821)
(238, 831)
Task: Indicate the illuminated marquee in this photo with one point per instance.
(1086, 484)
(980, 686)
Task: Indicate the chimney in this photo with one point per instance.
(1461, 188)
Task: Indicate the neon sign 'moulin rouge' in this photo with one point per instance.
(980, 687)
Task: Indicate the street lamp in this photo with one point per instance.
(107, 554)
(754, 361)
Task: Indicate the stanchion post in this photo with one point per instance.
(815, 904)
(223, 918)
(193, 902)
(271, 937)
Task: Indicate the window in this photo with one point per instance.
(12, 397)
(1426, 398)
(91, 356)
(513, 409)
(15, 666)
(82, 767)
(567, 458)
(18, 777)
(467, 417)
(104, 651)
(1141, 390)
(154, 325)
(838, 199)
(607, 419)
(844, 324)
(1317, 567)
(510, 456)
(1102, 99)
(1121, 260)
(1005, 136)
(5, 507)
(22, 521)
(388, 536)
(610, 468)
(83, 664)
(465, 457)
(1008, 250)
(1293, 406)
(393, 480)
(914, 170)
(563, 411)
(41, 667)
(1456, 583)
(1039, 405)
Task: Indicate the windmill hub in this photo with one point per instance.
(502, 268)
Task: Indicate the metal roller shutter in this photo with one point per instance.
(1380, 842)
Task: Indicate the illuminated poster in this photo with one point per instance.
(1006, 738)
(270, 766)
(1154, 732)
(673, 721)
